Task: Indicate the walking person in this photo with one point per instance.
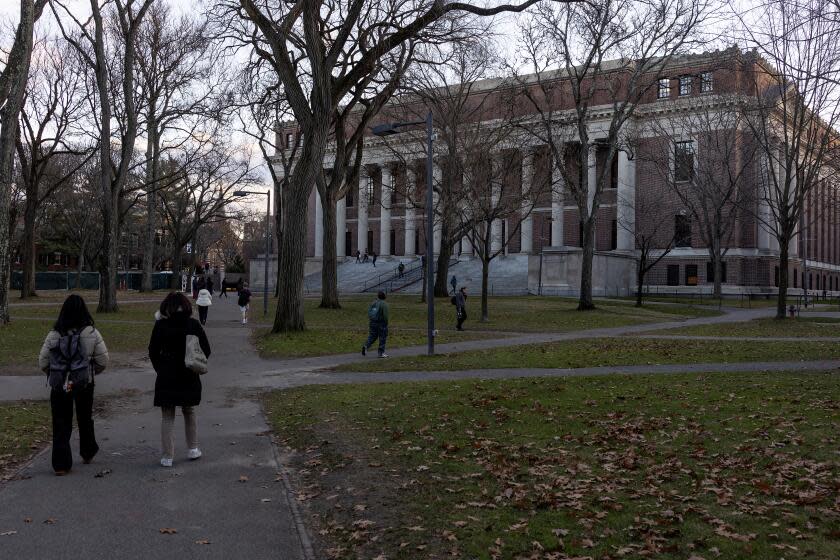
(71, 355)
(365, 257)
(244, 302)
(454, 283)
(204, 301)
(377, 325)
(223, 293)
(401, 269)
(461, 308)
(176, 384)
(374, 255)
(210, 285)
(358, 256)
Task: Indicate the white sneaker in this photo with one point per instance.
(383, 355)
(194, 454)
(166, 462)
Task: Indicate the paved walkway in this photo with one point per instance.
(120, 515)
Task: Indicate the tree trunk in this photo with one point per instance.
(716, 267)
(27, 287)
(781, 302)
(177, 270)
(640, 280)
(441, 276)
(585, 302)
(290, 314)
(80, 267)
(485, 273)
(329, 262)
(17, 71)
(152, 158)
(110, 248)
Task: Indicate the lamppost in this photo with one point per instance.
(389, 129)
(267, 240)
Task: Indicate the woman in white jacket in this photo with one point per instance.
(204, 301)
(74, 319)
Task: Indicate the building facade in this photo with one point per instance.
(377, 216)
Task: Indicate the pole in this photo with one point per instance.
(267, 250)
(430, 242)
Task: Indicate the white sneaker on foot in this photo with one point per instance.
(383, 355)
(194, 454)
(166, 462)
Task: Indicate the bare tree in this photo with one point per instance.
(704, 155)
(584, 57)
(324, 53)
(114, 72)
(13, 81)
(793, 114)
(48, 140)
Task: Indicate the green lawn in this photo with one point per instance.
(128, 311)
(618, 351)
(794, 328)
(667, 467)
(24, 428)
(319, 341)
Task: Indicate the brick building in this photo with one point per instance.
(375, 215)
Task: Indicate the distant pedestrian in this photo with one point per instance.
(176, 383)
(210, 285)
(454, 283)
(365, 257)
(461, 308)
(204, 301)
(195, 287)
(244, 302)
(374, 259)
(358, 256)
(71, 355)
(401, 270)
(377, 325)
(223, 293)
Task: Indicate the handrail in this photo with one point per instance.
(390, 276)
(452, 262)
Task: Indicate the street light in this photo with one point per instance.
(389, 129)
(267, 240)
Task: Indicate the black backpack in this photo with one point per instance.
(69, 364)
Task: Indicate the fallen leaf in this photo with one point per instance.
(27, 520)
(8, 533)
(50, 520)
(243, 478)
(202, 541)
(102, 473)
(168, 531)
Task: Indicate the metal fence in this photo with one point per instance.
(89, 280)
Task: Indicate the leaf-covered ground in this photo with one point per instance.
(802, 327)
(616, 351)
(668, 467)
(24, 428)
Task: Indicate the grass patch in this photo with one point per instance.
(515, 314)
(617, 351)
(321, 341)
(24, 428)
(128, 311)
(794, 328)
(667, 467)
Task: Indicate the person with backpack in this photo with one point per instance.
(71, 355)
(244, 302)
(176, 338)
(454, 283)
(460, 302)
(377, 325)
(204, 301)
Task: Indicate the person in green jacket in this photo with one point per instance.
(377, 325)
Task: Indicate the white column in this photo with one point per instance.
(495, 195)
(361, 234)
(385, 212)
(319, 226)
(437, 176)
(592, 168)
(340, 227)
(526, 229)
(558, 198)
(626, 203)
(410, 213)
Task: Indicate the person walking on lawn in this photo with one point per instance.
(71, 355)
(454, 283)
(244, 302)
(377, 325)
(461, 308)
(176, 384)
(204, 301)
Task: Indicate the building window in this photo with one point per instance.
(289, 138)
(673, 275)
(685, 85)
(710, 272)
(706, 82)
(682, 231)
(370, 192)
(663, 89)
(614, 235)
(683, 161)
(691, 275)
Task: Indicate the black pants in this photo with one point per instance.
(462, 316)
(202, 313)
(377, 329)
(61, 404)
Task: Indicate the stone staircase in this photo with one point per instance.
(354, 278)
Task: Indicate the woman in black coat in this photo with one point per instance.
(176, 385)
